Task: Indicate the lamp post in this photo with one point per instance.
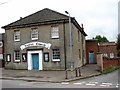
(70, 44)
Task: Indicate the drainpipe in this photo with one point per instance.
(64, 46)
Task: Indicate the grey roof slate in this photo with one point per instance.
(45, 15)
(40, 16)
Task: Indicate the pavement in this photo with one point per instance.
(87, 71)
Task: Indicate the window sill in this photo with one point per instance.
(55, 60)
(16, 61)
(34, 39)
(16, 40)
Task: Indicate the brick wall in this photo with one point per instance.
(91, 45)
(2, 63)
(108, 62)
(108, 49)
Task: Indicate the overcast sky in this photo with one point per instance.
(99, 17)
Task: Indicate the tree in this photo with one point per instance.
(118, 44)
(101, 39)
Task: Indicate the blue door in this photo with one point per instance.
(35, 61)
(91, 57)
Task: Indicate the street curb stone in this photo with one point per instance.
(52, 81)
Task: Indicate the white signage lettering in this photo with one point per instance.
(46, 45)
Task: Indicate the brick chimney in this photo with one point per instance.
(20, 17)
(82, 27)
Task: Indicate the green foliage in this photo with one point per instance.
(110, 69)
(118, 44)
(101, 39)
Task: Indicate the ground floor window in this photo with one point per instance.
(1, 44)
(17, 56)
(55, 55)
(105, 55)
(111, 55)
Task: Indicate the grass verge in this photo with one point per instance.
(110, 69)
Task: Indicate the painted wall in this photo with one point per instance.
(45, 36)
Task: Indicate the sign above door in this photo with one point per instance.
(31, 44)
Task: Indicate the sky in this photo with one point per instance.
(99, 17)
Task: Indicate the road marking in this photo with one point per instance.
(103, 85)
(90, 84)
(77, 83)
(82, 82)
(107, 83)
(117, 86)
(94, 82)
(64, 83)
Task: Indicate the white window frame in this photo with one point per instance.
(16, 60)
(111, 55)
(55, 60)
(34, 31)
(17, 33)
(105, 55)
(1, 56)
(1, 44)
(54, 32)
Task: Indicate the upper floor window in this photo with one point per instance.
(56, 55)
(1, 44)
(111, 55)
(34, 34)
(17, 35)
(78, 36)
(54, 32)
(82, 39)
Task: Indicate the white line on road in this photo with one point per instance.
(94, 82)
(82, 82)
(90, 84)
(64, 83)
(77, 83)
(117, 86)
(107, 83)
(103, 85)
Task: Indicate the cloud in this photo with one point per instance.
(98, 16)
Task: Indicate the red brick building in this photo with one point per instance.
(1, 50)
(108, 49)
(91, 50)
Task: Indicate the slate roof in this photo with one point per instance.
(43, 16)
(40, 16)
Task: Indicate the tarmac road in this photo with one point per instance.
(103, 81)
